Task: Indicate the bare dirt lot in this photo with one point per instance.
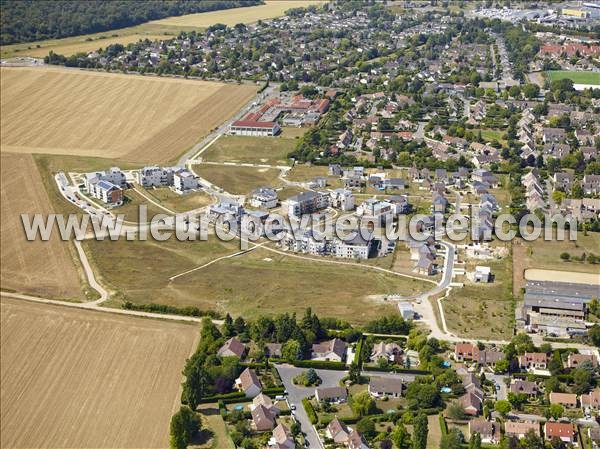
(134, 118)
(85, 379)
(40, 268)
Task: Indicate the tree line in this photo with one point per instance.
(31, 20)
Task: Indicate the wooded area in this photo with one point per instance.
(30, 20)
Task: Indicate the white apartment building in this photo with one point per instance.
(307, 203)
(342, 199)
(114, 175)
(154, 177)
(264, 197)
(356, 248)
(380, 211)
(184, 181)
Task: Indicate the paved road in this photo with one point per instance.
(499, 379)
(330, 378)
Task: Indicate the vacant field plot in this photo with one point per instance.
(138, 119)
(254, 150)
(179, 203)
(252, 284)
(577, 77)
(230, 17)
(86, 379)
(39, 268)
(238, 180)
(483, 310)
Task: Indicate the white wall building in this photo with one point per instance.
(264, 197)
(342, 199)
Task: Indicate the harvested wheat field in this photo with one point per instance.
(85, 379)
(133, 118)
(40, 268)
(231, 17)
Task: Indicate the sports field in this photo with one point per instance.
(132, 118)
(231, 17)
(39, 268)
(577, 77)
(73, 378)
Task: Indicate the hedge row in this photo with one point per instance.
(397, 370)
(223, 397)
(443, 425)
(310, 411)
(320, 364)
(171, 310)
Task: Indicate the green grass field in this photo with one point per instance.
(251, 150)
(179, 203)
(577, 77)
(483, 310)
(256, 283)
(238, 180)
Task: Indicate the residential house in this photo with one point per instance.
(526, 387)
(273, 349)
(567, 400)
(337, 431)
(380, 387)
(489, 431)
(232, 348)
(331, 394)
(469, 352)
(249, 383)
(356, 441)
(591, 400)
(332, 350)
(282, 438)
(471, 403)
(334, 170)
(553, 135)
(519, 429)
(265, 401)
(533, 360)
(389, 351)
(575, 360)
(563, 181)
(591, 184)
(262, 419)
(563, 430)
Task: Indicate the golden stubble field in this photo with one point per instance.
(115, 116)
(73, 378)
(231, 17)
(40, 268)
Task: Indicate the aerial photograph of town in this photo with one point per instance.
(286, 224)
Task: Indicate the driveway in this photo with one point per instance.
(296, 393)
(499, 379)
